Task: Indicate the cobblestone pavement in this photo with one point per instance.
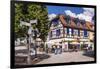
(66, 57)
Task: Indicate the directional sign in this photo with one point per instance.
(37, 30)
(30, 30)
(31, 33)
(24, 23)
(33, 21)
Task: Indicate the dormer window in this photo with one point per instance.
(76, 21)
(82, 22)
(68, 19)
(78, 24)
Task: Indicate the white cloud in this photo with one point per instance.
(87, 14)
(89, 11)
(68, 12)
(51, 16)
(84, 17)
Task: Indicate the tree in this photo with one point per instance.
(39, 12)
(19, 31)
(27, 12)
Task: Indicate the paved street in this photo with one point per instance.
(66, 57)
(59, 58)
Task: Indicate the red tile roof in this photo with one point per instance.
(88, 26)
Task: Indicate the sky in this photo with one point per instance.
(77, 12)
(60, 9)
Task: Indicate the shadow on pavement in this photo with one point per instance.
(89, 53)
(40, 56)
(34, 59)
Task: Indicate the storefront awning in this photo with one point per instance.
(74, 43)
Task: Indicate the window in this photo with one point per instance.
(58, 32)
(75, 32)
(53, 34)
(70, 32)
(78, 24)
(78, 32)
(82, 22)
(84, 25)
(81, 33)
(76, 20)
(85, 33)
(67, 31)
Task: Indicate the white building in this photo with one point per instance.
(68, 32)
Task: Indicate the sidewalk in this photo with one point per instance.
(66, 57)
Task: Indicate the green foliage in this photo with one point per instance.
(27, 12)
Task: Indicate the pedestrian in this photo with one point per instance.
(90, 47)
(60, 49)
(52, 49)
(46, 49)
(35, 50)
(56, 49)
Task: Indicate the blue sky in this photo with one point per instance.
(78, 12)
(61, 9)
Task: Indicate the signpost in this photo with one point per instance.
(30, 33)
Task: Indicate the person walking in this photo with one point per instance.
(56, 49)
(46, 49)
(60, 49)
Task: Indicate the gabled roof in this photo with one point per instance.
(72, 24)
(90, 25)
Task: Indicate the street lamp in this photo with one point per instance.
(31, 32)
